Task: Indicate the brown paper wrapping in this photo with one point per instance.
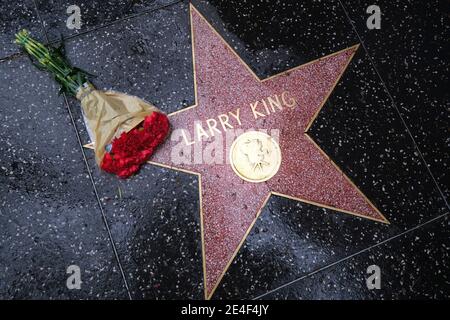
(110, 113)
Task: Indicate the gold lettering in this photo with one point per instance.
(292, 102)
(212, 125)
(256, 114)
(265, 106)
(261, 108)
(276, 102)
(188, 143)
(200, 132)
(223, 118)
(236, 116)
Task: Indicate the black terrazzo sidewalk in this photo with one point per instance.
(385, 124)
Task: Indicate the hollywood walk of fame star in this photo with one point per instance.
(230, 96)
(224, 84)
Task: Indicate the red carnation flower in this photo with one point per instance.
(131, 149)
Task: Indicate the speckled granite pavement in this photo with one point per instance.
(385, 125)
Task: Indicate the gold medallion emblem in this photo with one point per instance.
(255, 156)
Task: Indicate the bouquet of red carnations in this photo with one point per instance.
(125, 129)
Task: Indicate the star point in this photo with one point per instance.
(229, 96)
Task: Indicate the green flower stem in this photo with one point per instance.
(53, 62)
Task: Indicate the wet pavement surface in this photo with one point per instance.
(385, 125)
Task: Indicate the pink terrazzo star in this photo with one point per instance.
(230, 205)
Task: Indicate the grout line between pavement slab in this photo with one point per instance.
(110, 23)
(394, 104)
(442, 216)
(105, 220)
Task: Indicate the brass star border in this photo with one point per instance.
(384, 220)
